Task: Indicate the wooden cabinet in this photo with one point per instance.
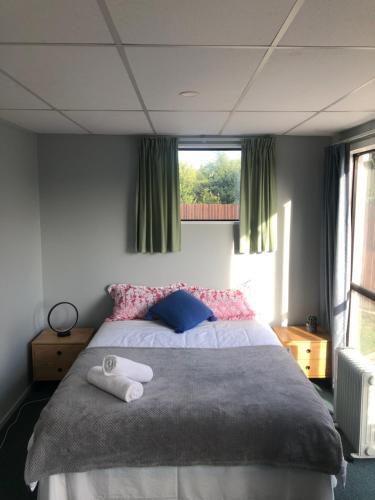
(53, 356)
(312, 351)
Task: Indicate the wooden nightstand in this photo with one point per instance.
(312, 351)
(53, 355)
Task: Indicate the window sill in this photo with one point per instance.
(189, 222)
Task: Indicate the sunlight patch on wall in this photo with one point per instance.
(255, 275)
(286, 262)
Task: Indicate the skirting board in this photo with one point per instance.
(14, 406)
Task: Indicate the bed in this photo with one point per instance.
(197, 481)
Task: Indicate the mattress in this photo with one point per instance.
(195, 482)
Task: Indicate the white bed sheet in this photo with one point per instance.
(253, 482)
(213, 334)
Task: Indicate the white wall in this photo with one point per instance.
(20, 261)
(87, 198)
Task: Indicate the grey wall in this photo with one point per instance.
(87, 198)
(20, 261)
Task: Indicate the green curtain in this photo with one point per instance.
(258, 196)
(336, 251)
(158, 213)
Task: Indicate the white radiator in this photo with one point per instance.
(355, 401)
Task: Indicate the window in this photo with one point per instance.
(210, 184)
(362, 304)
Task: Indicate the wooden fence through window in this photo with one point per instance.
(207, 211)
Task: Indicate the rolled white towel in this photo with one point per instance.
(114, 365)
(120, 386)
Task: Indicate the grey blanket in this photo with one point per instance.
(245, 405)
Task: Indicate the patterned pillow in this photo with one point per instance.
(133, 301)
(226, 304)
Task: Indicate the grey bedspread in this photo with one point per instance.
(230, 406)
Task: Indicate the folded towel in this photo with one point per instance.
(113, 365)
(120, 386)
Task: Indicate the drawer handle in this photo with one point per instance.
(59, 353)
(307, 367)
(59, 369)
(308, 351)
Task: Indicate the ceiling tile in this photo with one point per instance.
(112, 122)
(219, 22)
(256, 122)
(361, 100)
(308, 79)
(44, 122)
(14, 96)
(52, 21)
(330, 123)
(188, 122)
(219, 75)
(72, 77)
(334, 23)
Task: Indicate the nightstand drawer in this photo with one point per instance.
(55, 372)
(53, 355)
(51, 362)
(315, 368)
(309, 350)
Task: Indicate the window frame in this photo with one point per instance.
(212, 148)
(354, 287)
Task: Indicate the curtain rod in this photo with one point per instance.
(204, 139)
(355, 134)
(357, 138)
(217, 139)
(238, 141)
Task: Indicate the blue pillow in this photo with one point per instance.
(181, 311)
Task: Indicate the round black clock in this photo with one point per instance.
(62, 318)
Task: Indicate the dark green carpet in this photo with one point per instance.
(13, 453)
(360, 481)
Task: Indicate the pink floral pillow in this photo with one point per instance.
(226, 304)
(133, 301)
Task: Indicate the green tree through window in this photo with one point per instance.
(210, 177)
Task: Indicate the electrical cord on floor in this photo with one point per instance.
(18, 416)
